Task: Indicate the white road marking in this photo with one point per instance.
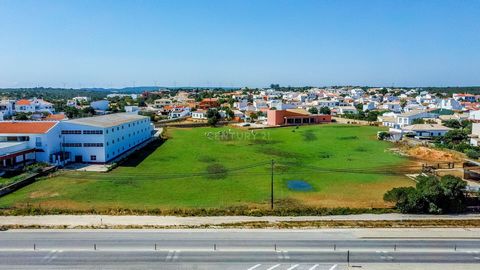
(316, 265)
(293, 267)
(283, 255)
(253, 267)
(280, 255)
(50, 256)
(333, 267)
(176, 254)
(169, 255)
(273, 267)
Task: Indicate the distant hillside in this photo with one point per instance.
(450, 90)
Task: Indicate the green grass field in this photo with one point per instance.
(198, 168)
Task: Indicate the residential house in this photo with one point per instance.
(419, 131)
(199, 114)
(179, 112)
(475, 136)
(450, 104)
(24, 106)
(160, 103)
(392, 106)
(346, 109)
(407, 118)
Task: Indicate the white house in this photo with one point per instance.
(392, 106)
(369, 106)
(419, 131)
(475, 136)
(24, 106)
(450, 104)
(407, 118)
(357, 93)
(29, 141)
(199, 114)
(326, 103)
(474, 116)
(388, 119)
(346, 109)
(7, 107)
(132, 109)
(41, 105)
(241, 104)
(179, 113)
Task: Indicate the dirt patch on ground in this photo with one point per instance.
(429, 154)
(42, 194)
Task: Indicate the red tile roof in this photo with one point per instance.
(23, 102)
(26, 127)
(59, 116)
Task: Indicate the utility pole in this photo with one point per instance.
(271, 188)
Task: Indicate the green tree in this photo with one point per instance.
(418, 121)
(213, 116)
(430, 195)
(455, 136)
(472, 154)
(313, 110)
(452, 123)
(325, 110)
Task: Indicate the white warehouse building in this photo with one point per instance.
(98, 139)
(101, 139)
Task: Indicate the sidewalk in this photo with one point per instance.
(100, 220)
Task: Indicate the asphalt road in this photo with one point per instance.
(248, 250)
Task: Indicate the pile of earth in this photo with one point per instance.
(429, 154)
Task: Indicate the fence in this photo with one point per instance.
(25, 182)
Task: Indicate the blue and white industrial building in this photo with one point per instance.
(98, 139)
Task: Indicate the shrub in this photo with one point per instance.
(216, 171)
(430, 196)
(472, 154)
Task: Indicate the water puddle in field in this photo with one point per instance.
(299, 185)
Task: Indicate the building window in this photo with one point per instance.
(71, 144)
(93, 145)
(38, 142)
(93, 132)
(71, 132)
(93, 157)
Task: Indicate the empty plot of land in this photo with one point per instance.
(324, 166)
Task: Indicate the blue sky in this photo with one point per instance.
(239, 43)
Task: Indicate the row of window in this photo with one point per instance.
(84, 145)
(93, 132)
(129, 125)
(80, 132)
(129, 135)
